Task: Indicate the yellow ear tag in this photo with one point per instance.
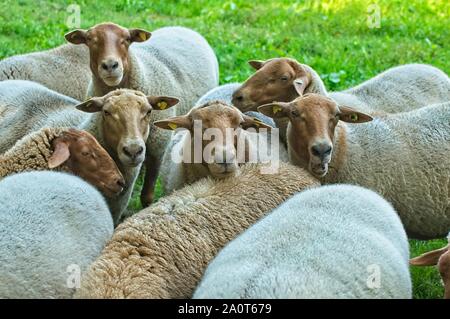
(173, 126)
(276, 109)
(143, 36)
(162, 105)
(354, 117)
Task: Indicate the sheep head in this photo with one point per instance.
(108, 45)
(313, 121)
(125, 117)
(279, 79)
(83, 156)
(440, 257)
(216, 135)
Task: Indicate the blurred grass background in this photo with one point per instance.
(331, 36)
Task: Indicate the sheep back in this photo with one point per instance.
(161, 252)
(49, 222)
(322, 243)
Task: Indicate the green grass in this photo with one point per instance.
(331, 36)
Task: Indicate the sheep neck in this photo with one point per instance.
(131, 79)
(340, 146)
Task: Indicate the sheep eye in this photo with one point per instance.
(85, 153)
(106, 113)
(295, 113)
(284, 78)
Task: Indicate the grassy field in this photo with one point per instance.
(331, 36)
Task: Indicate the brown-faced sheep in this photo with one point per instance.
(403, 156)
(399, 89)
(69, 150)
(176, 61)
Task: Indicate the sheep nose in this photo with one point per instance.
(121, 182)
(321, 150)
(133, 151)
(237, 98)
(110, 65)
(224, 157)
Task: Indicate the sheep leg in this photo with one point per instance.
(152, 164)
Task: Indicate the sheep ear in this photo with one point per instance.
(256, 64)
(162, 102)
(350, 115)
(92, 105)
(60, 154)
(175, 122)
(76, 36)
(429, 259)
(300, 84)
(252, 122)
(139, 35)
(274, 110)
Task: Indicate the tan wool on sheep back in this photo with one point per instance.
(32, 152)
(162, 251)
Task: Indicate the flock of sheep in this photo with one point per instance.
(226, 228)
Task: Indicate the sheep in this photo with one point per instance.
(224, 94)
(176, 61)
(64, 69)
(399, 89)
(119, 121)
(440, 257)
(162, 251)
(53, 226)
(403, 156)
(68, 150)
(337, 241)
(191, 155)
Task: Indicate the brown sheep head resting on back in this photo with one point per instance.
(80, 153)
(313, 122)
(279, 79)
(108, 45)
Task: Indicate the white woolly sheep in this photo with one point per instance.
(53, 226)
(162, 251)
(176, 61)
(337, 241)
(441, 258)
(399, 89)
(404, 156)
(218, 156)
(125, 143)
(73, 151)
(64, 69)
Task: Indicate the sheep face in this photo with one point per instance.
(217, 129)
(82, 155)
(279, 79)
(313, 121)
(108, 45)
(126, 117)
(440, 257)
